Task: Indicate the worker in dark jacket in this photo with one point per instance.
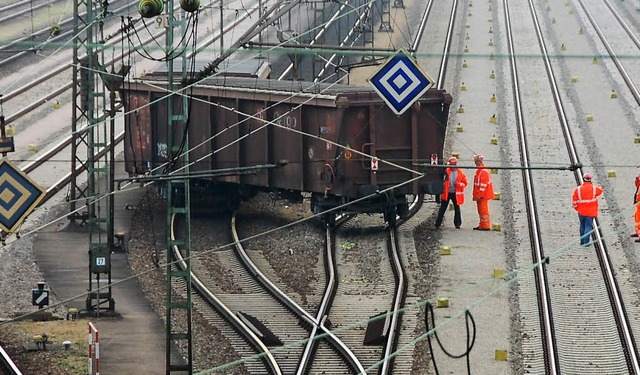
(455, 181)
(585, 201)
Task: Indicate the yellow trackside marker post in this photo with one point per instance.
(492, 75)
(456, 154)
(497, 196)
(611, 173)
(589, 117)
(498, 274)
(442, 302)
(461, 109)
(636, 139)
(496, 227)
(493, 98)
(575, 79)
(493, 119)
(445, 250)
(459, 128)
(613, 94)
(493, 171)
(501, 355)
(494, 140)
(465, 64)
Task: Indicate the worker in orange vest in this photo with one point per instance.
(482, 193)
(636, 202)
(455, 181)
(585, 201)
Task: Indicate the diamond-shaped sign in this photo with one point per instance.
(19, 195)
(400, 81)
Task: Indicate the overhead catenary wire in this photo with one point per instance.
(505, 168)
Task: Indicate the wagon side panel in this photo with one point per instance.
(224, 145)
(286, 143)
(160, 132)
(139, 134)
(320, 150)
(254, 151)
(199, 136)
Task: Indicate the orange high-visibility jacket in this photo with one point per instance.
(482, 186)
(460, 184)
(585, 199)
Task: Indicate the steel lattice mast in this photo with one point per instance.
(92, 127)
(178, 306)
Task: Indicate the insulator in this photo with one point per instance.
(190, 5)
(150, 8)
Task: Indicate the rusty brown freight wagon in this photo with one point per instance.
(339, 145)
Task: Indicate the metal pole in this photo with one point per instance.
(221, 27)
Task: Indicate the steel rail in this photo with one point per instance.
(42, 100)
(298, 310)
(400, 294)
(324, 28)
(544, 300)
(617, 304)
(45, 31)
(265, 353)
(7, 366)
(360, 21)
(610, 51)
(22, 12)
(330, 290)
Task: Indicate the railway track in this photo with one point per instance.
(253, 279)
(382, 357)
(567, 282)
(576, 325)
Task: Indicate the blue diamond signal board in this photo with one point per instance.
(400, 81)
(19, 195)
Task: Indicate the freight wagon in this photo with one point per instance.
(338, 145)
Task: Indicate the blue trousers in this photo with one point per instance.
(586, 226)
